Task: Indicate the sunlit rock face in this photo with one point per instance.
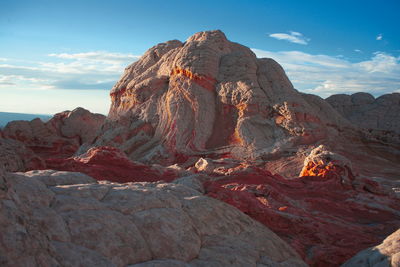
(327, 165)
(210, 95)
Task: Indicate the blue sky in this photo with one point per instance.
(56, 55)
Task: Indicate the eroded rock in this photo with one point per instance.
(60, 137)
(210, 95)
(367, 112)
(175, 225)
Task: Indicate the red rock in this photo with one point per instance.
(108, 163)
(325, 220)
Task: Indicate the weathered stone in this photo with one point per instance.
(92, 224)
(385, 254)
(209, 94)
(61, 136)
(15, 156)
(367, 112)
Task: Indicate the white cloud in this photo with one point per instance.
(381, 62)
(98, 56)
(325, 75)
(90, 70)
(357, 50)
(379, 37)
(293, 37)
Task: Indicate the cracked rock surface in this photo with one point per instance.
(53, 218)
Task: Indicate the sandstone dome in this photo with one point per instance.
(210, 96)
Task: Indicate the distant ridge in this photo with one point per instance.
(6, 117)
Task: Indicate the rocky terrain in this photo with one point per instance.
(367, 112)
(385, 254)
(193, 125)
(52, 218)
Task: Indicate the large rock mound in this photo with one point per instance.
(211, 96)
(51, 218)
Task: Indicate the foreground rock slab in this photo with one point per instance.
(51, 218)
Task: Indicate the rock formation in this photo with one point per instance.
(385, 254)
(51, 218)
(108, 163)
(211, 96)
(207, 114)
(60, 137)
(327, 217)
(362, 109)
(14, 156)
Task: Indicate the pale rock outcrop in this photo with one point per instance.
(210, 95)
(362, 109)
(61, 136)
(51, 218)
(385, 254)
(79, 123)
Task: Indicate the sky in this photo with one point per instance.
(58, 55)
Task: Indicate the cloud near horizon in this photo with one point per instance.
(293, 37)
(97, 70)
(98, 56)
(326, 75)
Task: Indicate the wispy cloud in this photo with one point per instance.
(326, 75)
(293, 37)
(98, 56)
(379, 37)
(85, 71)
